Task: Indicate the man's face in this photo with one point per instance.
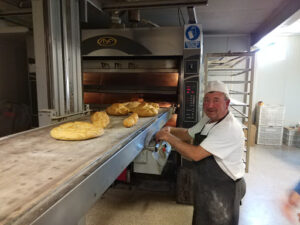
(215, 105)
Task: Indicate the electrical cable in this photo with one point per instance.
(178, 15)
(182, 16)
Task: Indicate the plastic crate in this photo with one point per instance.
(291, 142)
(287, 142)
(268, 141)
(291, 131)
(269, 135)
(270, 115)
(291, 136)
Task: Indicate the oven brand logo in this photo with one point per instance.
(107, 41)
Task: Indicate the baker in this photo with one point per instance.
(217, 148)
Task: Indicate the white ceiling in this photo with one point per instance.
(253, 17)
(223, 16)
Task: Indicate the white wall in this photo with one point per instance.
(278, 82)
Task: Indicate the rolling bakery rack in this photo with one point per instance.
(236, 70)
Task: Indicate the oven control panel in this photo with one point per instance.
(191, 67)
(190, 101)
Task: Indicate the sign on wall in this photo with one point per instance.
(192, 36)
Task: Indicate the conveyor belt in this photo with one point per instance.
(45, 181)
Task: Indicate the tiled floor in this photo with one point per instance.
(273, 171)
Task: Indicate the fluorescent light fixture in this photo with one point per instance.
(293, 28)
(271, 49)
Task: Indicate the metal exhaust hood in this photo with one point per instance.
(134, 4)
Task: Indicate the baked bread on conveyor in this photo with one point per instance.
(75, 131)
(132, 105)
(100, 119)
(155, 105)
(117, 109)
(145, 109)
(131, 120)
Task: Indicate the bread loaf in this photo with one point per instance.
(145, 110)
(132, 105)
(100, 119)
(155, 105)
(117, 109)
(131, 120)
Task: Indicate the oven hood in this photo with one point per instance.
(157, 41)
(137, 4)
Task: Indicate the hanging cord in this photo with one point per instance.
(178, 15)
(181, 15)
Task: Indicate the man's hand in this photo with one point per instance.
(289, 207)
(163, 134)
(178, 138)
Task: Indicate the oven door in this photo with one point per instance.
(112, 80)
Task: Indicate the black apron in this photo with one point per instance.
(217, 196)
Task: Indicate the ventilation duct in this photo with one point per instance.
(139, 4)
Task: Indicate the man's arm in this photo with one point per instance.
(192, 152)
(289, 206)
(181, 133)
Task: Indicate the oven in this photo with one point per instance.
(142, 64)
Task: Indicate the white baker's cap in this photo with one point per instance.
(216, 85)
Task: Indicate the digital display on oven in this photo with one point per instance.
(190, 101)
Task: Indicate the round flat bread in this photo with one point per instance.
(75, 131)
